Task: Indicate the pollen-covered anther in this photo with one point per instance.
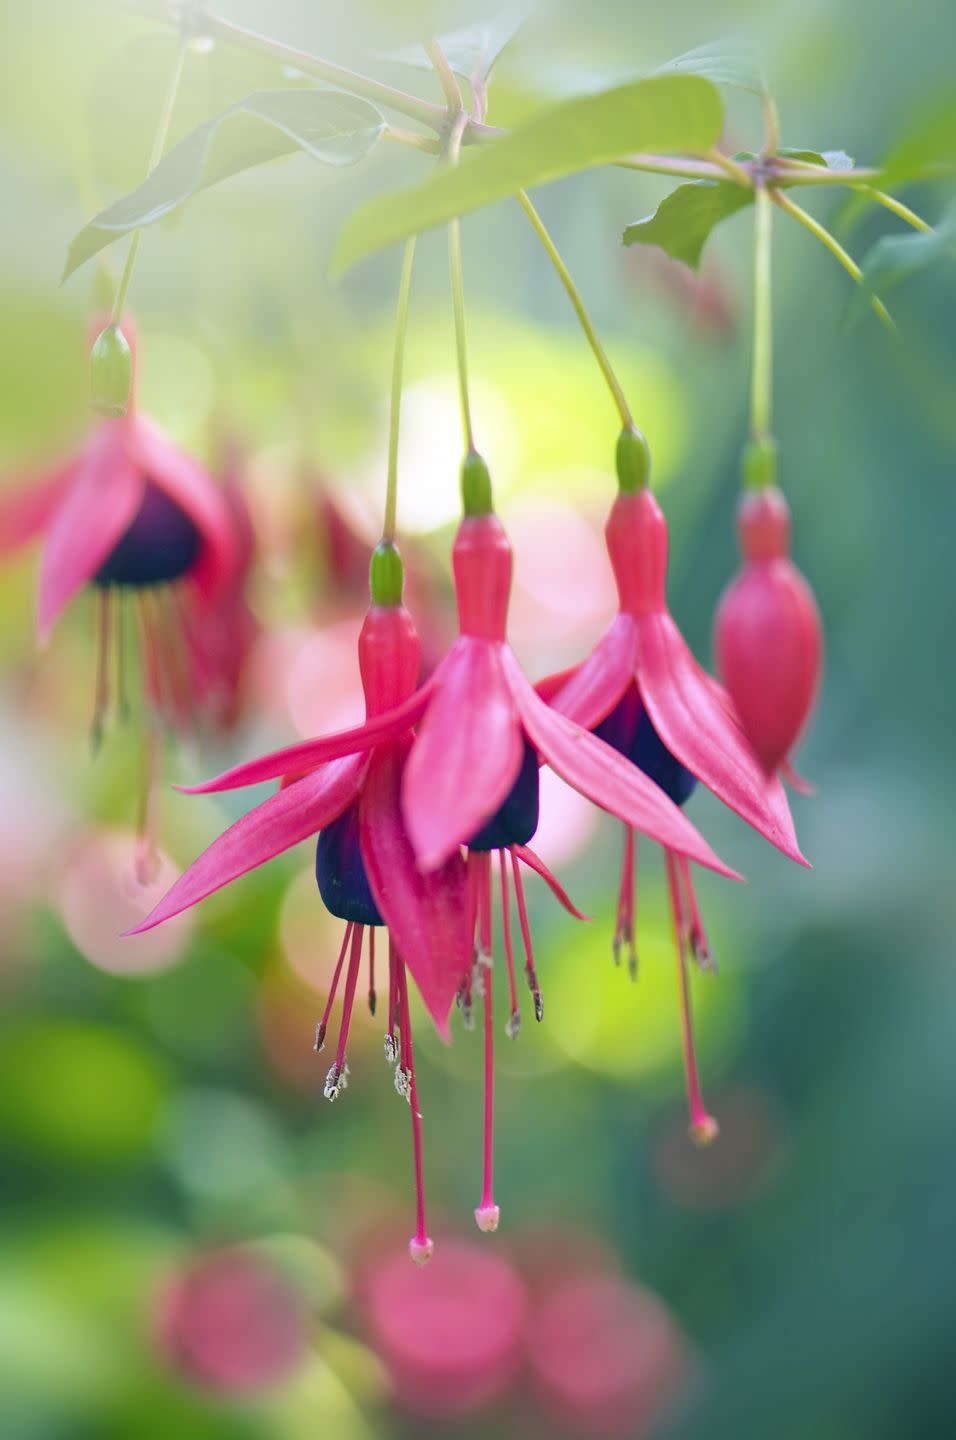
(538, 1000)
(704, 1130)
(478, 979)
(632, 960)
(464, 1002)
(336, 1081)
(319, 1037)
(391, 1048)
(487, 1217)
(403, 1083)
(513, 1025)
(701, 952)
(421, 1251)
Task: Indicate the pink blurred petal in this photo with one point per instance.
(28, 510)
(535, 863)
(795, 780)
(427, 914)
(277, 824)
(467, 753)
(605, 777)
(102, 500)
(600, 681)
(699, 728)
(307, 754)
(185, 481)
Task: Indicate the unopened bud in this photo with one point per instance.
(633, 461)
(111, 372)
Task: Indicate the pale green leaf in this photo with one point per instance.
(895, 258)
(682, 222)
(470, 51)
(332, 127)
(663, 114)
(723, 62)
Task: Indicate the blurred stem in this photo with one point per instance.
(761, 383)
(458, 290)
(898, 208)
(446, 77)
(771, 125)
(159, 145)
(835, 249)
(412, 138)
(731, 169)
(574, 296)
(398, 363)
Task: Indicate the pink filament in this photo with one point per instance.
(392, 991)
(702, 1124)
(421, 1230)
(101, 697)
(482, 863)
(624, 930)
(506, 930)
(698, 935)
(351, 979)
(525, 928)
(371, 969)
(324, 1022)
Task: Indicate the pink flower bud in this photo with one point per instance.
(767, 634)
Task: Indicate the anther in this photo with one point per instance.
(319, 1037)
(513, 1025)
(391, 1048)
(403, 1083)
(336, 1081)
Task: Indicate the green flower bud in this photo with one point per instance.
(111, 372)
(633, 461)
(759, 464)
(476, 485)
(386, 575)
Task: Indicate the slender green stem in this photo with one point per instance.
(159, 145)
(217, 28)
(835, 249)
(613, 384)
(458, 292)
(428, 143)
(898, 208)
(690, 169)
(783, 171)
(771, 125)
(446, 76)
(761, 382)
(733, 171)
(398, 364)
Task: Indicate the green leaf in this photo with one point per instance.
(332, 127)
(895, 258)
(928, 148)
(723, 62)
(831, 159)
(664, 114)
(470, 51)
(682, 222)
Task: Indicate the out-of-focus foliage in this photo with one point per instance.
(194, 1242)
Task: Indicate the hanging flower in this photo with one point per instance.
(365, 868)
(767, 634)
(643, 692)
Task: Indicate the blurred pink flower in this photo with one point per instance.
(450, 1335)
(230, 1321)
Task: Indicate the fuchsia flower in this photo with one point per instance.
(136, 519)
(767, 635)
(642, 691)
(365, 866)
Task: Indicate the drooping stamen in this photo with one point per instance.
(391, 1044)
(624, 928)
(487, 1213)
(101, 694)
(122, 687)
(420, 1247)
(465, 997)
(696, 934)
(526, 938)
(514, 1019)
(371, 970)
(703, 1127)
(171, 660)
(146, 859)
(149, 665)
(338, 1077)
(323, 1025)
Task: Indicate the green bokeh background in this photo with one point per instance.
(142, 1119)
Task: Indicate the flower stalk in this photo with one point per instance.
(821, 233)
(398, 364)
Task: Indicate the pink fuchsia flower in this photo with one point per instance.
(365, 866)
(767, 635)
(642, 690)
(232, 1322)
(451, 1337)
(147, 528)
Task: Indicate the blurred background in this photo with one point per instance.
(193, 1241)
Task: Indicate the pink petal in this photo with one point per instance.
(696, 721)
(605, 777)
(29, 509)
(102, 500)
(427, 914)
(277, 824)
(598, 684)
(186, 482)
(795, 780)
(535, 863)
(466, 755)
(549, 685)
(307, 754)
